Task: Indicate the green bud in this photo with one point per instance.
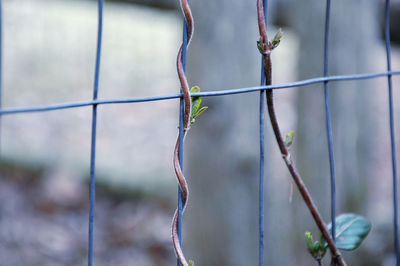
(195, 89)
(261, 45)
(316, 246)
(277, 39)
(309, 241)
(289, 139)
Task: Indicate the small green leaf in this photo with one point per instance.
(315, 246)
(261, 45)
(278, 35)
(277, 39)
(351, 230)
(195, 89)
(196, 102)
(309, 241)
(324, 245)
(202, 109)
(289, 139)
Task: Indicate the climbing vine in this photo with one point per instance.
(192, 109)
(356, 227)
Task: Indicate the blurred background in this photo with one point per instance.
(48, 57)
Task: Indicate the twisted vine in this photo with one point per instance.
(265, 48)
(186, 125)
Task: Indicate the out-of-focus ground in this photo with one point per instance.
(49, 54)
(44, 222)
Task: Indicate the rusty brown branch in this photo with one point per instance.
(266, 54)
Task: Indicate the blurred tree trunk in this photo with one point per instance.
(354, 34)
(222, 148)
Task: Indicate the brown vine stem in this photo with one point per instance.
(266, 54)
(186, 124)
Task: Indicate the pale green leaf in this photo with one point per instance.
(351, 230)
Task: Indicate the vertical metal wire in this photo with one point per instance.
(181, 134)
(262, 162)
(328, 122)
(261, 179)
(1, 63)
(392, 136)
(93, 143)
(262, 157)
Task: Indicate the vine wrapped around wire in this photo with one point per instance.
(191, 111)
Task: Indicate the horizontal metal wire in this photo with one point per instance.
(8, 111)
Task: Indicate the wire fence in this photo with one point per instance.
(325, 80)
